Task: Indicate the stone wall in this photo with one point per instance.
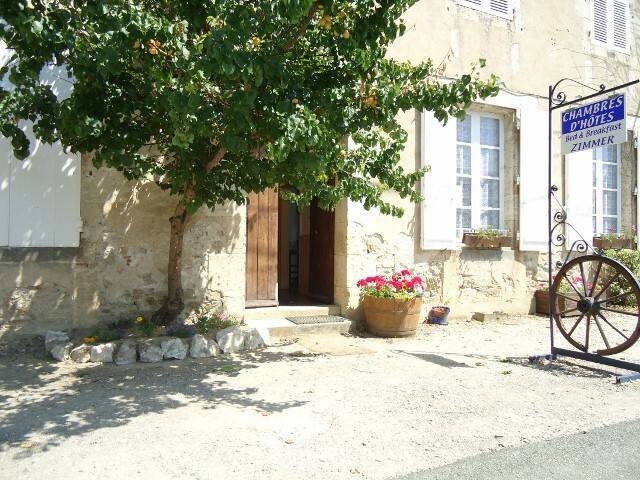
(120, 268)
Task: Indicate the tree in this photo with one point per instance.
(218, 98)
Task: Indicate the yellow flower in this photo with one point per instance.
(346, 35)
(295, 101)
(136, 44)
(256, 42)
(139, 319)
(89, 339)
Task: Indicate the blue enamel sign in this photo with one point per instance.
(595, 125)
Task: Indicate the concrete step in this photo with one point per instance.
(284, 311)
(281, 327)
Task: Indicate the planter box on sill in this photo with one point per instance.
(613, 243)
(475, 240)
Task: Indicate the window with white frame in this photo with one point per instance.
(611, 25)
(500, 8)
(479, 173)
(606, 190)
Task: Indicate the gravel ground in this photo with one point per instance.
(320, 407)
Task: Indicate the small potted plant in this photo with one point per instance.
(438, 315)
(392, 303)
(487, 239)
(608, 241)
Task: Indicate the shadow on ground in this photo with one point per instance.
(43, 399)
(556, 367)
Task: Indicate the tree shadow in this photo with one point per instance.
(564, 368)
(55, 402)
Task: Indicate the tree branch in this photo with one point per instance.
(302, 28)
(217, 158)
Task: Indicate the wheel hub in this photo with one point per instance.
(587, 305)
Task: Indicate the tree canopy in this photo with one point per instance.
(234, 96)
(214, 99)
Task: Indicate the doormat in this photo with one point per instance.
(317, 319)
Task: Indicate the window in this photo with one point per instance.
(606, 189)
(611, 24)
(479, 173)
(500, 8)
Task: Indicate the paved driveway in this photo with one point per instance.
(316, 408)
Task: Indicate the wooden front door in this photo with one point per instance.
(262, 249)
(321, 250)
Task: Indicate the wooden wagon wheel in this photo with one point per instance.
(589, 291)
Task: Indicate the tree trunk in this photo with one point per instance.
(174, 304)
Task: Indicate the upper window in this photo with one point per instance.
(611, 24)
(500, 8)
(606, 190)
(479, 173)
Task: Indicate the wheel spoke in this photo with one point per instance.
(622, 312)
(595, 279)
(606, 342)
(572, 286)
(616, 297)
(568, 298)
(584, 279)
(586, 343)
(575, 325)
(611, 325)
(567, 311)
(604, 289)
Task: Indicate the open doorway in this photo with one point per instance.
(290, 253)
(305, 254)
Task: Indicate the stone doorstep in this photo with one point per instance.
(283, 311)
(281, 327)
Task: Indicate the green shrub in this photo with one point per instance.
(211, 322)
(631, 259)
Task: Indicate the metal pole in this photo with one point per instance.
(549, 205)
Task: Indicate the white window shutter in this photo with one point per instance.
(579, 197)
(500, 7)
(5, 148)
(534, 182)
(600, 21)
(68, 223)
(438, 218)
(620, 23)
(32, 201)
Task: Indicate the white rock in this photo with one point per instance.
(173, 347)
(103, 352)
(60, 350)
(150, 350)
(54, 336)
(255, 338)
(81, 354)
(202, 346)
(230, 340)
(127, 353)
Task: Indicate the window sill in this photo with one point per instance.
(39, 254)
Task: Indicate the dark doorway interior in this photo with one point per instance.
(305, 255)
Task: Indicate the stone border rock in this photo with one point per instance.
(151, 350)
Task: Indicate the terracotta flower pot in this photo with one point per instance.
(392, 317)
(542, 302)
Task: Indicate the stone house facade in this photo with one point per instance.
(80, 246)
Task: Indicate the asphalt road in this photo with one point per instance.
(611, 453)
